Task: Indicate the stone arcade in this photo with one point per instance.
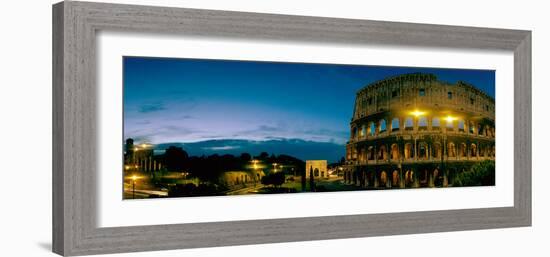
(415, 131)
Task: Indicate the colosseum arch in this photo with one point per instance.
(382, 153)
(423, 151)
(409, 124)
(383, 178)
(481, 130)
(462, 150)
(436, 124)
(483, 150)
(409, 177)
(449, 126)
(451, 150)
(471, 127)
(370, 153)
(422, 123)
(394, 152)
(382, 126)
(461, 125)
(395, 124)
(372, 129)
(408, 151)
(423, 176)
(473, 150)
(363, 155)
(437, 178)
(395, 178)
(437, 150)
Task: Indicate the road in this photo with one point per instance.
(245, 190)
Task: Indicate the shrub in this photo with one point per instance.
(275, 179)
(480, 174)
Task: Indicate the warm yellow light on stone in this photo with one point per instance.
(417, 113)
(450, 118)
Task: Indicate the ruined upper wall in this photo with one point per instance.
(407, 92)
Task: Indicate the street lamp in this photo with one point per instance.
(134, 178)
(450, 118)
(417, 113)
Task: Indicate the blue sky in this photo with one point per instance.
(191, 100)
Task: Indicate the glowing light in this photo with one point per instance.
(134, 177)
(417, 113)
(450, 118)
(143, 146)
(255, 164)
(126, 167)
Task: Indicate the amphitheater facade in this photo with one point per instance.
(414, 130)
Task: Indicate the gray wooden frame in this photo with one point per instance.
(75, 25)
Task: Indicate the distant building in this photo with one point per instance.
(319, 168)
(140, 157)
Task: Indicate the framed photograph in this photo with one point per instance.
(183, 128)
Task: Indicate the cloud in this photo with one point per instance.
(143, 122)
(155, 107)
(222, 148)
(186, 117)
(262, 130)
(268, 128)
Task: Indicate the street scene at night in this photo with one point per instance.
(197, 127)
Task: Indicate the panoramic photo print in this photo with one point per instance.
(204, 127)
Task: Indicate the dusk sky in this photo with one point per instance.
(191, 100)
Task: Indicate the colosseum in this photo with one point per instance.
(414, 130)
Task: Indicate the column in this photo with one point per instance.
(445, 179)
(416, 182)
(431, 179)
(401, 180)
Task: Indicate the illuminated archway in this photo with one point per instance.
(423, 151)
(395, 178)
(451, 150)
(382, 153)
(383, 178)
(473, 150)
(437, 150)
(462, 150)
(394, 152)
(409, 151)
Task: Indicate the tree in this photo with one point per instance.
(311, 180)
(303, 180)
(175, 158)
(263, 156)
(275, 179)
(480, 174)
(246, 157)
